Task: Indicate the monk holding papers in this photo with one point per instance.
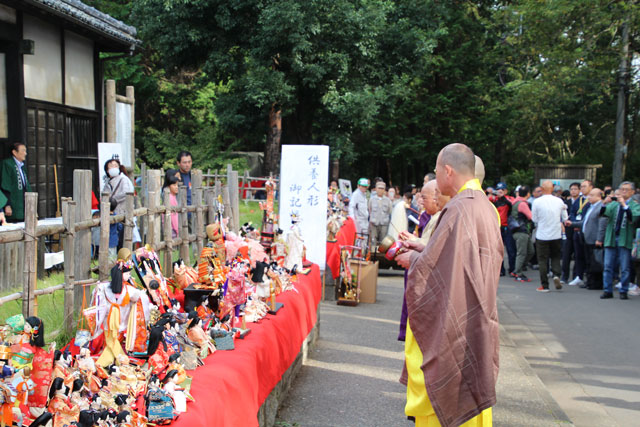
(451, 347)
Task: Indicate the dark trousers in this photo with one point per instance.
(593, 267)
(510, 244)
(578, 254)
(548, 250)
(567, 254)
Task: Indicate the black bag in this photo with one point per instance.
(596, 261)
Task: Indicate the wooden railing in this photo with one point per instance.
(76, 236)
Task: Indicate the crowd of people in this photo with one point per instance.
(582, 237)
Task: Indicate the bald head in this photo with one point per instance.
(547, 187)
(479, 169)
(460, 158)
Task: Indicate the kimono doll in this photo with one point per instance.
(170, 335)
(149, 269)
(197, 335)
(32, 336)
(160, 406)
(174, 364)
(124, 419)
(279, 248)
(295, 244)
(64, 413)
(157, 350)
(120, 308)
(24, 386)
(62, 367)
(260, 280)
(79, 396)
(87, 418)
(175, 391)
(215, 234)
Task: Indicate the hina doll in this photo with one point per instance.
(79, 395)
(87, 418)
(279, 248)
(157, 350)
(64, 413)
(174, 364)
(215, 234)
(170, 335)
(260, 280)
(120, 308)
(24, 387)
(149, 269)
(62, 367)
(124, 419)
(295, 244)
(198, 336)
(24, 346)
(175, 391)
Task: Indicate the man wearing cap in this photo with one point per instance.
(379, 214)
(503, 203)
(358, 207)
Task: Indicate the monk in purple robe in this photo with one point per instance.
(451, 347)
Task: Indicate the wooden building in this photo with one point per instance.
(51, 87)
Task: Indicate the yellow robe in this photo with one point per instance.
(418, 403)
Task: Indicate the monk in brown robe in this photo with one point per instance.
(451, 347)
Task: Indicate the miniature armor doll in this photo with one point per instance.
(216, 240)
(64, 413)
(175, 391)
(120, 307)
(197, 335)
(295, 244)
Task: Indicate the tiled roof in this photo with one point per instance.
(93, 18)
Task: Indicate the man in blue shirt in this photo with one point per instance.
(185, 162)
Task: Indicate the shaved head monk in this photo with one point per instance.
(451, 346)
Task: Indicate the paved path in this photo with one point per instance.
(351, 378)
(585, 350)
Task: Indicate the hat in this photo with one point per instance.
(501, 186)
(364, 182)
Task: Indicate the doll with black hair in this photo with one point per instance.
(124, 419)
(174, 364)
(149, 270)
(120, 307)
(87, 418)
(79, 394)
(63, 411)
(158, 351)
(31, 338)
(175, 391)
(198, 336)
(62, 367)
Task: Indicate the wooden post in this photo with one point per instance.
(127, 239)
(130, 94)
(142, 198)
(209, 200)
(246, 183)
(196, 182)
(228, 212)
(168, 235)
(184, 224)
(198, 228)
(218, 189)
(111, 110)
(153, 234)
(103, 254)
(234, 195)
(29, 301)
(68, 218)
(82, 180)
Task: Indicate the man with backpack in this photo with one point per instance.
(520, 226)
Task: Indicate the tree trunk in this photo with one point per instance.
(335, 169)
(620, 153)
(272, 150)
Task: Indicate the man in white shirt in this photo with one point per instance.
(359, 209)
(548, 214)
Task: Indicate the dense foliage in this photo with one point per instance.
(384, 83)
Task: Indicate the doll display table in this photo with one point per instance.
(232, 385)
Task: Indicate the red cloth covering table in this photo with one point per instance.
(346, 237)
(232, 385)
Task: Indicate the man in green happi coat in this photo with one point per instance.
(14, 182)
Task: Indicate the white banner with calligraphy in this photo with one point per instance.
(304, 173)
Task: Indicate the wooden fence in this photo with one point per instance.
(75, 233)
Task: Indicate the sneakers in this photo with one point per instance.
(522, 278)
(635, 291)
(543, 290)
(576, 281)
(512, 274)
(618, 285)
(606, 295)
(557, 282)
